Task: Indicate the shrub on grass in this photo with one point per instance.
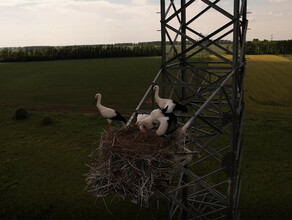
(46, 121)
(21, 113)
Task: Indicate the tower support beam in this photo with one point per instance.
(200, 71)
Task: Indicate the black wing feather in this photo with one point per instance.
(172, 122)
(119, 117)
(179, 107)
(163, 111)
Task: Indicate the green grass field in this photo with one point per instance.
(42, 167)
(71, 85)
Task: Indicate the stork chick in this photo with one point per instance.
(162, 126)
(141, 117)
(149, 122)
(167, 123)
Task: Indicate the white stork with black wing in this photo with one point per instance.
(163, 103)
(108, 113)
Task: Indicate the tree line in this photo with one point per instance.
(269, 47)
(77, 52)
(42, 53)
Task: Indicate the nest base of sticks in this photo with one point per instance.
(135, 164)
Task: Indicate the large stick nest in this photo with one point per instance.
(132, 163)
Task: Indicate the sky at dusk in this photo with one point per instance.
(79, 22)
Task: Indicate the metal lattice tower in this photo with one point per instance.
(208, 186)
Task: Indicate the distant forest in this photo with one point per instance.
(78, 52)
(42, 53)
(269, 47)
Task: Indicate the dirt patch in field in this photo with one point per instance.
(62, 109)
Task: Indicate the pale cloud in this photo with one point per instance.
(139, 2)
(76, 22)
(277, 1)
(67, 22)
(271, 18)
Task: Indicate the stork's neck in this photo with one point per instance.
(98, 103)
(156, 96)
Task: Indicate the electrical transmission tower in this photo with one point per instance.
(205, 72)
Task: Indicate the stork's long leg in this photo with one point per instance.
(109, 131)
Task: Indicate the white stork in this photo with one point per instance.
(162, 126)
(149, 122)
(167, 123)
(163, 103)
(141, 117)
(108, 113)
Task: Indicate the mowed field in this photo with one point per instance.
(269, 84)
(71, 85)
(42, 167)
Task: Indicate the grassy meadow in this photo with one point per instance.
(71, 85)
(42, 167)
